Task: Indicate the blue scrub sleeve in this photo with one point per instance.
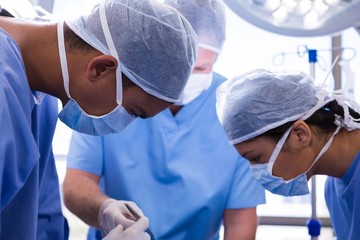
(18, 149)
(86, 153)
(245, 192)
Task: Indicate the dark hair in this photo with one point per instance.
(126, 82)
(74, 42)
(323, 119)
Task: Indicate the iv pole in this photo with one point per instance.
(313, 223)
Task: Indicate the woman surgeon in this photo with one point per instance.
(291, 129)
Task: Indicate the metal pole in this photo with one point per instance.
(313, 222)
(336, 51)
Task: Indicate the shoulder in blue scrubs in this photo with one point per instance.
(342, 195)
(28, 178)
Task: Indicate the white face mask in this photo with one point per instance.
(196, 84)
(277, 185)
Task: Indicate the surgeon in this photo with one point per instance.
(291, 129)
(180, 171)
(122, 60)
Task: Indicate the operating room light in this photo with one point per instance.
(303, 7)
(320, 7)
(332, 2)
(280, 14)
(311, 18)
(299, 17)
(289, 5)
(272, 5)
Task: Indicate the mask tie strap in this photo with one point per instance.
(113, 52)
(62, 54)
(325, 148)
(277, 150)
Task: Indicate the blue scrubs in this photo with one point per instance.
(181, 170)
(30, 201)
(343, 201)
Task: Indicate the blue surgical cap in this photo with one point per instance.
(253, 103)
(207, 17)
(156, 45)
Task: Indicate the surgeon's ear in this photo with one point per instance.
(100, 66)
(302, 133)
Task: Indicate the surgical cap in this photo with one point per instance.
(156, 45)
(207, 17)
(253, 103)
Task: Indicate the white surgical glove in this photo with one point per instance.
(136, 231)
(113, 213)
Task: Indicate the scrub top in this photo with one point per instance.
(30, 198)
(181, 171)
(342, 196)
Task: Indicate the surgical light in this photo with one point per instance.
(301, 18)
(289, 5)
(280, 14)
(303, 7)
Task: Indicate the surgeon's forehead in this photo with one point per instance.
(259, 142)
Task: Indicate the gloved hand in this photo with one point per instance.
(136, 231)
(113, 213)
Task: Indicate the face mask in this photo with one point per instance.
(72, 114)
(293, 187)
(196, 84)
(113, 122)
